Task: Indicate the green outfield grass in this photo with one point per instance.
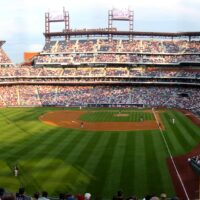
(63, 160)
(112, 116)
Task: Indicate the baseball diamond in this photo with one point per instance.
(71, 119)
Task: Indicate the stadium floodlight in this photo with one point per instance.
(55, 17)
(120, 15)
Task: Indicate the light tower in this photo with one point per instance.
(56, 18)
(120, 15)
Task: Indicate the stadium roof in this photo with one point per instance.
(121, 33)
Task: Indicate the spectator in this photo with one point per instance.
(36, 196)
(80, 197)
(21, 195)
(44, 196)
(163, 196)
(119, 196)
(87, 196)
(2, 191)
(132, 198)
(62, 196)
(8, 196)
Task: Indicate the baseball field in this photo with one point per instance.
(78, 151)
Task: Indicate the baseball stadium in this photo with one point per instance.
(104, 113)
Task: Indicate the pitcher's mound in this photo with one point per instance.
(121, 115)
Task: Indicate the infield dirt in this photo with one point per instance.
(71, 119)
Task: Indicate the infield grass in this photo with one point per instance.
(74, 161)
(116, 116)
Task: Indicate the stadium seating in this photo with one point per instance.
(42, 95)
(120, 51)
(4, 60)
(67, 84)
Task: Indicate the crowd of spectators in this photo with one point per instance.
(116, 51)
(170, 73)
(121, 46)
(120, 51)
(4, 60)
(8, 94)
(28, 95)
(21, 195)
(152, 96)
(86, 46)
(103, 58)
(117, 72)
(97, 72)
(68, 59)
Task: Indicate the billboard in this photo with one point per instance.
(120, 14)
(56, 15)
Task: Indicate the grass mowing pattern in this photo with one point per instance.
(103, 116)
(64, 160)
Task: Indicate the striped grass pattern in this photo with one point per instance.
(63, 160)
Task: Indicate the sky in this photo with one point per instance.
(22, 21)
